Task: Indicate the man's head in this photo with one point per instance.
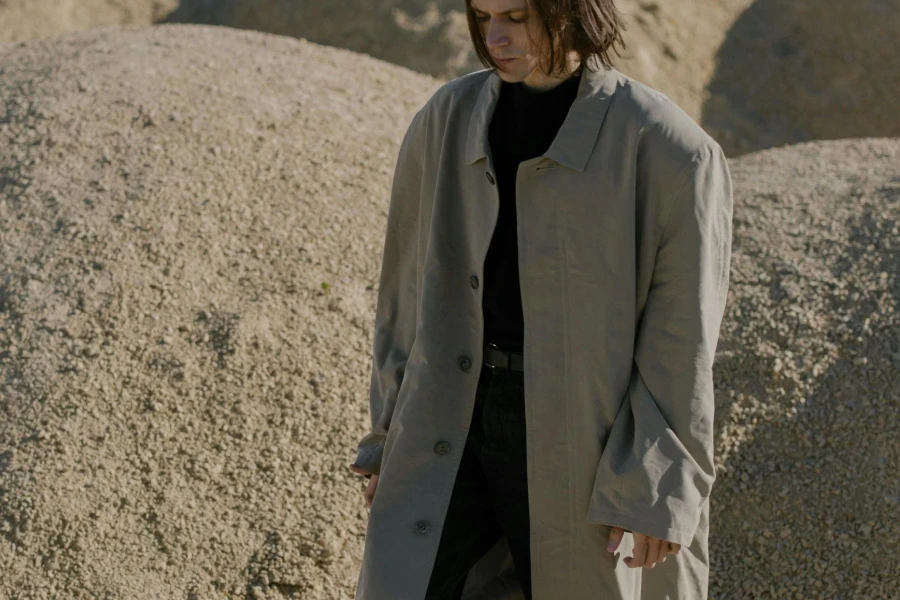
(547, 39)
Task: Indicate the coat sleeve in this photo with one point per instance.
(397, 297)
(656, 469)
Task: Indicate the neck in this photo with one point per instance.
(548, 83)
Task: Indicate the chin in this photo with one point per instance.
(508, 76)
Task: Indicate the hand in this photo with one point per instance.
(373, 483)
(647, 550)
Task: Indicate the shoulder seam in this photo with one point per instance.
(701, 155)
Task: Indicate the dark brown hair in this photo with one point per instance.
(590, 27)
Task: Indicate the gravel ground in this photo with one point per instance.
(808, 371)
(191, 220)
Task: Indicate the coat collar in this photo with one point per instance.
(576, 138)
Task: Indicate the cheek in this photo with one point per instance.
(534, 48)
(535, 34)
(521, 42)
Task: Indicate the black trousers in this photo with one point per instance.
(490, 494)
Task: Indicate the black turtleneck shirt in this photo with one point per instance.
(523, 126)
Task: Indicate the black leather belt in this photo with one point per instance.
(496, 358)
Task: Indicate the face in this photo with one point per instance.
(512, 30)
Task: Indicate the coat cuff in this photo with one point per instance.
(634, 524)
(369, 457)
(647, 481)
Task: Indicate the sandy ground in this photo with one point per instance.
(191, 220)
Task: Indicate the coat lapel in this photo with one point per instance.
(576, 138)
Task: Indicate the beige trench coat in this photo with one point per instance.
(624, 238)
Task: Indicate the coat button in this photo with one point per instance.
(442, 448)
(489, 177)
(423, 527)
(464, 363)
(474, 281)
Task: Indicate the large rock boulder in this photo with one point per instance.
(28, 19)
(756, 74)
(806, 70)
(671, 45)
(192, 220)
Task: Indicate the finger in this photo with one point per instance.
(663, 551)
(615, 538)
(674, 548)
(639, 553)
(653, 545)
(370, 490)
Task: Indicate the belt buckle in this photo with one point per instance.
(505, 355)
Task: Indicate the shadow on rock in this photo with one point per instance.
(810, 69)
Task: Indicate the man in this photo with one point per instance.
(598, 216)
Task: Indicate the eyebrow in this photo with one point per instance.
(505, 12)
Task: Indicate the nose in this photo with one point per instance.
(495, 35)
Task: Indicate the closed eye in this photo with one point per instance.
(486, 17)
